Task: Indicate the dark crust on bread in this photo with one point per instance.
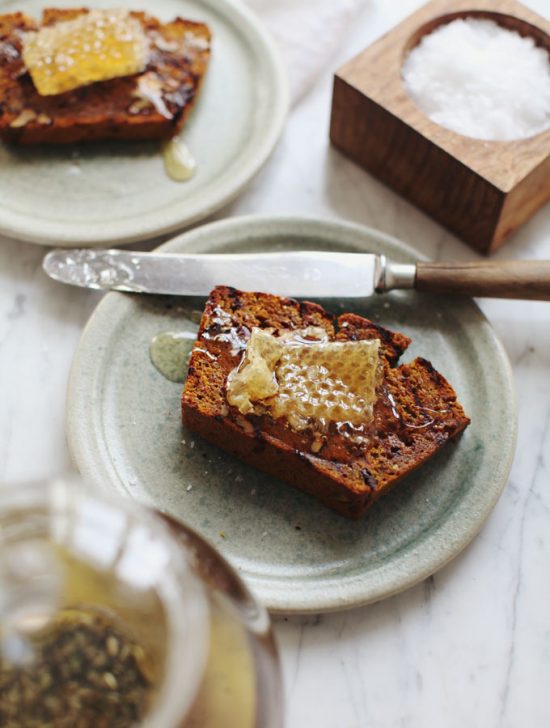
(101, 110)
(416, 411)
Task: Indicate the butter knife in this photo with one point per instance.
(302, 274)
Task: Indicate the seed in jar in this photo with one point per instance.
(87, 673)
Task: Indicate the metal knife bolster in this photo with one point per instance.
(390, 276)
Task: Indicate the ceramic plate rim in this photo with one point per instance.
(422, 559)
(22, 228)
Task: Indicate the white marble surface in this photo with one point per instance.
(470, 646)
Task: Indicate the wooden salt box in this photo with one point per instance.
(480, 190)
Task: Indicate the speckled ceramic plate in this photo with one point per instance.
(125, 433)
(118, 193)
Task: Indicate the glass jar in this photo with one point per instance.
(112, 615)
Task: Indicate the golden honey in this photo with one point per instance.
(96, 46)
(304, 378)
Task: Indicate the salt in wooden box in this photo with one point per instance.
(479, 190)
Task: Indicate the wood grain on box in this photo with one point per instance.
(480, 190)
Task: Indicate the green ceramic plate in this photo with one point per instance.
(119, 192)
(125, 433)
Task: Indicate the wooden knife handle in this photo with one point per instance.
(528, 279)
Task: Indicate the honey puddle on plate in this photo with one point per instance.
(179, 163)
(169, 353)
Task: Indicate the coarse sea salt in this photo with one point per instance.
(481, 80)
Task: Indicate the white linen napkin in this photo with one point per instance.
(308, 33)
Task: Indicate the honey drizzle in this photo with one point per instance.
(223, 330)
(427, 423)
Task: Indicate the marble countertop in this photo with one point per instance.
(471, 645)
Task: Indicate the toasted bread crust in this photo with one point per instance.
(415, 414)
(107, 109)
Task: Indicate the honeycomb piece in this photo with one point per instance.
(254, 379)
(306, 380)
(96, 46)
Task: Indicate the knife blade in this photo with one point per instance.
(311, 274)
(286, 274)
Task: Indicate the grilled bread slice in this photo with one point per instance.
(415, 412)
(153, 104)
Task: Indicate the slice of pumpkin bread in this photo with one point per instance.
(283, 386)
(153, 103)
